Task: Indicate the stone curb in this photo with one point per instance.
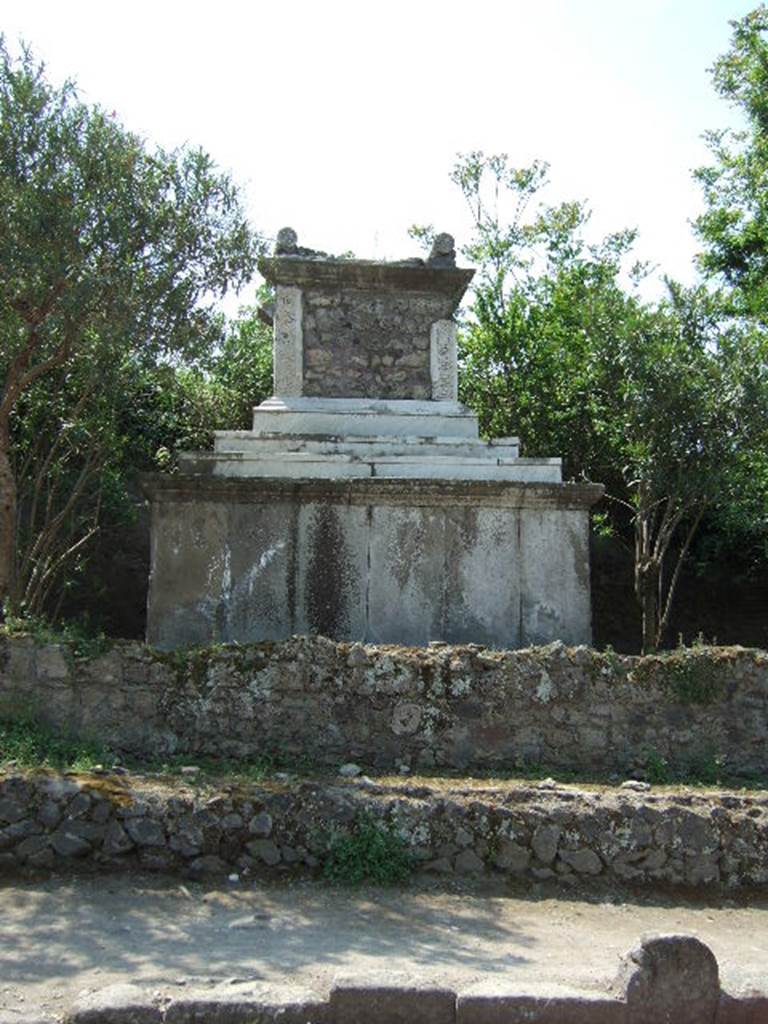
(665, 979)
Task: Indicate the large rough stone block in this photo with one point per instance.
(746, 1009)
(670, 979)
(377, 1001)
(500, 1007)
(116, 1004)
(259, 1004)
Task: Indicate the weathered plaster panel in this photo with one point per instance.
(190, 573)
(262, 558)
(443, 361)
(331, 570)
(554, 560)
(288, 345)
(386, 561)
(483, 586)
(407, 575)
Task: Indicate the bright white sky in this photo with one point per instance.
(343, 118)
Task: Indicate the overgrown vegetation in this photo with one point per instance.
(26, 743)
(79, 637)
(370, 850)
(664, 402)
(112, 260)
(691, 675)
(705, 769)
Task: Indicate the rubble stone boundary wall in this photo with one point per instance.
(439, 707)
(534, 833)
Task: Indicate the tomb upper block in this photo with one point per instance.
(362, 328)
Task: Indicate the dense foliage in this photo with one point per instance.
(112, 259)
(666, 403)
(734, 227)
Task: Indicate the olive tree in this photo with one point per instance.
(112, 254)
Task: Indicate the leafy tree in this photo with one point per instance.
(734, 227)
(169, 408)
(78, 447)
(112, 257)
(660, 402)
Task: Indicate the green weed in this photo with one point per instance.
(691, 675)
(370, 851)
(78, 636)
(657, 769)
(30, 744)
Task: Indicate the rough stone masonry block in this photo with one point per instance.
(377, 1002)
(746, 1009)
(117, 1004)
(499, 1007)
(260, 1004)
(669, 979)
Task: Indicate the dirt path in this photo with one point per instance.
(61, 937)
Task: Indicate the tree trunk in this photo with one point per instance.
(647, 571)
(7, 522)
(647, 593)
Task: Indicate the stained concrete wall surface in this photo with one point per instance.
(381, 561)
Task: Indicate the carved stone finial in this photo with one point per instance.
(443, 252)
(287, 242)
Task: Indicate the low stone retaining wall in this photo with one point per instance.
(528, 832)
(466, 708)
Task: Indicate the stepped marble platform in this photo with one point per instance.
(324, 438)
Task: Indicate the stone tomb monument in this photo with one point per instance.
(363, 505)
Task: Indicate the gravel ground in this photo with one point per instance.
(61, 937)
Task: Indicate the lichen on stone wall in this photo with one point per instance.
(361, 344)
(532, 833)
(440, 708)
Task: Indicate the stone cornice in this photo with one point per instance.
(183, 487)
(407, 276)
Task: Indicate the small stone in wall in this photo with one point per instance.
(512, 857)
(468, 863)
(546, 784)
(405, 719)
(636, 785)
(584, 861)
(261, 824)
(350, 770)
(545, 842)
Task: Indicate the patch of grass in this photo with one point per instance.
(78, 636)
(705, 769)
(369, 851)
(30, 744)
(252, 770)
(657, 770)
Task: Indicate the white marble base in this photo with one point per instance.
(339, 466)
(363, 417)
(348, 438)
